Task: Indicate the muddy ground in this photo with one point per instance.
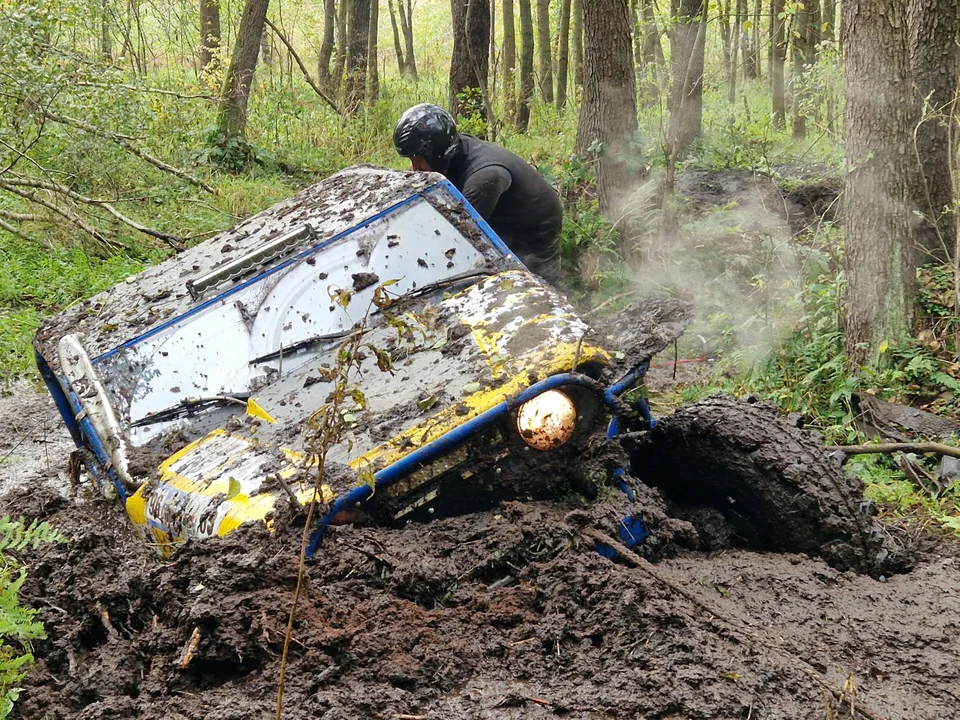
(505, 614)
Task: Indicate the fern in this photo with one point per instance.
(17, 624)
(14, 535)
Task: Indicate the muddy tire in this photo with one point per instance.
(772, 481)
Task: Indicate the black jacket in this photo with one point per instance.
(517, 202)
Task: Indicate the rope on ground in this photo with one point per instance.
(735, 626)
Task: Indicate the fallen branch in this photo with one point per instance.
(609, 301)
(303, 68)
(921, 447)
(68, 215)
(759, 643)
(190, 649)
(19, 217)
(14, 231)
(157, 91)
(125, 143)
(11, 185)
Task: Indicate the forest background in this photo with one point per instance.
(130, 129)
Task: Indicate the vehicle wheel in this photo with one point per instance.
(771, 480)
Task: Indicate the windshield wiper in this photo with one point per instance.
(301, 345)
(191, 406)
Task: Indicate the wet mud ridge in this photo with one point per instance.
(509, 613)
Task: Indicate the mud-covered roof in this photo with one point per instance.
(156, 295)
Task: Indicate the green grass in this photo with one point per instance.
(37, 281)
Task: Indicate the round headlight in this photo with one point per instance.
(547, 421)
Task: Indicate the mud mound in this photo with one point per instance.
(502, 614)
(506, 614)
(770, 479)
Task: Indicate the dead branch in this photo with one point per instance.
(157, 91)
(125, 143)
(750, 638)
(68, 215)
(11, 184)
(19, 217)
(920, 447)
(303, 68)
(190, 649)
(14, 231)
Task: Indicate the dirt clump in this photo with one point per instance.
(771, 480)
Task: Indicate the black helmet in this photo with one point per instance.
(429, 131)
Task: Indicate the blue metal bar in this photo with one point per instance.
(96, 446)
(478, 219)
(628, 380)
(442, 445)
(59, 398)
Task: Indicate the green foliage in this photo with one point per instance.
(472, 120)
(37, 280)
(17, 624)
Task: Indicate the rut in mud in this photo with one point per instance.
(508, 614)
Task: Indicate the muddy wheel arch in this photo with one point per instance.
(772, 481)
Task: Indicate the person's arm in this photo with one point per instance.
(484, 188)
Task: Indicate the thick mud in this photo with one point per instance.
(503, 614)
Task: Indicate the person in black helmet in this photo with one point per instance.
(509, 194)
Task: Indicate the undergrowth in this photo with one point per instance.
(17, 624)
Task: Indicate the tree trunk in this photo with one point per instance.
(543, 41)
(829, 36)
(209, 34)
(397, 47)
(357, 54)
(729, 51)
(743, 28)
(469, 65)
(778, 59)
(406, 26)
(266, 48)
(373, 70)
(343, 42)
(509, 62)
(106, 35)
(576, 13)
(654, 63)
(608, 113)
(806, 38)
(755, 36)
(829, 13)
(636, 22)
(526, 66)
(686, 59)
(236, 84)
(933, 28)
(801, 20)
(492, 87)
(326, 49)
(563, 54)
(876, 207)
